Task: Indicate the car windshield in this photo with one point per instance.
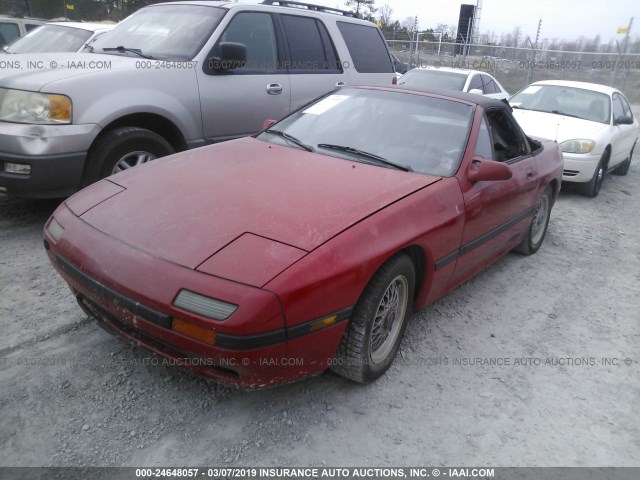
(404, 130)
(439, 79)
(168, 32)
(50, 38)
(561, 100)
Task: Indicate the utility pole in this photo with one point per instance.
(534, 49)
(620, 54)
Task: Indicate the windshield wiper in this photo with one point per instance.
(558, 112)
(364, 154)
(120, 48)
(519, 107)
(91, 49)
(291, 138)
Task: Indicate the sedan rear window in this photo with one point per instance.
(441, 80)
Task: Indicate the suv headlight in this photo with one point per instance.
(20, 106)
(578, 145)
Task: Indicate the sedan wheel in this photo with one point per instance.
(372, 337)
(592, 187)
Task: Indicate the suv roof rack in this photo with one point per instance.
(310, 6)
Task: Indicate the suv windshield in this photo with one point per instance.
(390, 129)
(168, 32)
(51, 38)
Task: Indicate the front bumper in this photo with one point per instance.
(131, 295)
(579, 167)
(56, 155)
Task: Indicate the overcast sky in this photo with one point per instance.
(568, 19)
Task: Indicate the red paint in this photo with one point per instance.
(288, 236)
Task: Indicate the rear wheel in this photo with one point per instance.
(623, 168)
(592, 187)
(372, 337)
(123, 148)
(538, 228)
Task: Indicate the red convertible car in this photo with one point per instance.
(266, 259)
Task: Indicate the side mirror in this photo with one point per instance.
(488, 170)
(476, 91)
(232, 55)
(624, 120)
(268, 123)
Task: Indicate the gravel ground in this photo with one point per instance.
(564, 320)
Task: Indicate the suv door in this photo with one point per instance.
(497, 211)
(235, 102)
(312, 61)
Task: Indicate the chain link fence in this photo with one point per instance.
(515, 68)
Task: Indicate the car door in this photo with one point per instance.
(497, 213)
(622, 136)
(312, 61)
(235, 102)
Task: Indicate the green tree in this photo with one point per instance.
(363, 7)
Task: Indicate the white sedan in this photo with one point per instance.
(458, 79)
(593, 124)
(58, 37)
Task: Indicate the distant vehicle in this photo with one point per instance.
(58, 37)
(461, 80)
(13, 27)
(593, 124)
(170, 77)
(312, 240)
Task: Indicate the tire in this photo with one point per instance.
(623, 168)
(374, 332)
(538, 228)
(123, 148)
(592, 187)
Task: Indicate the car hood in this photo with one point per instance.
(557, 127)
(239, 196)
(26, 71)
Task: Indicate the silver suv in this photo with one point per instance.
(171, 77)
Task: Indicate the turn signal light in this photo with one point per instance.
(196, 332)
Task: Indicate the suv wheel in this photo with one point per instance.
(122, 148)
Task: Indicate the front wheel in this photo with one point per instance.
(592, 187)
(372, 337)
(538, 228)
(123, 148)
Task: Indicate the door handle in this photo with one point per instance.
(529, 174)
(341, 84)
(274, 89)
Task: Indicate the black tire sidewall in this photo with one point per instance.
(367, 308)
(112, 145)
(533, 248)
